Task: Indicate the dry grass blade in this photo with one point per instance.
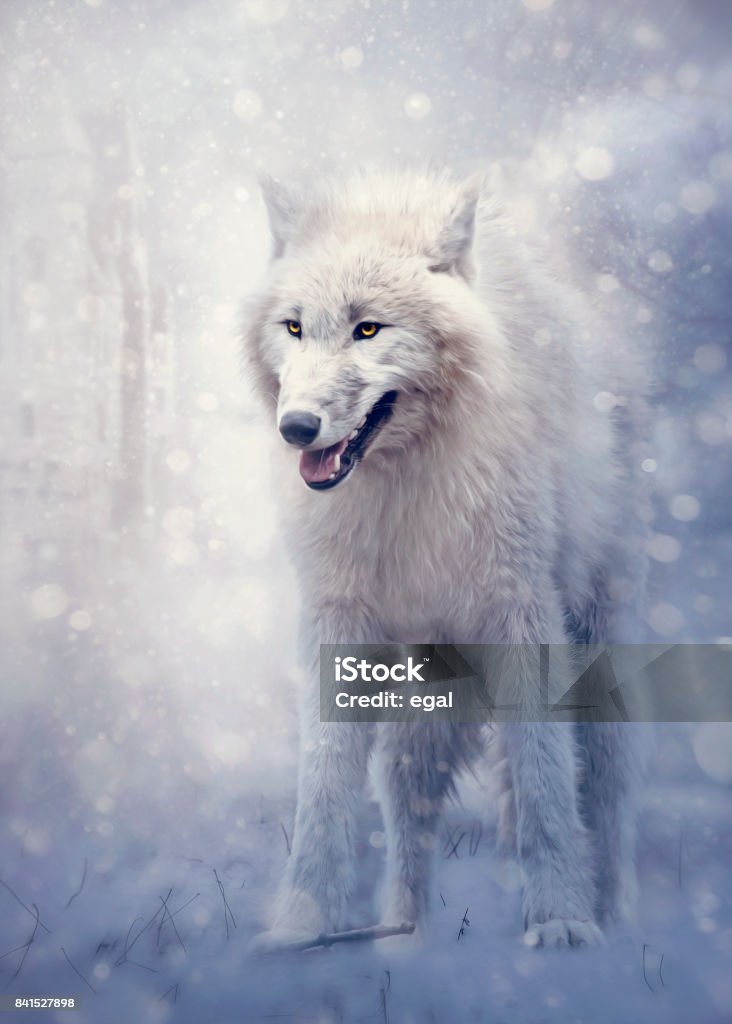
(81, 884)
(19, 900)
(77, 971)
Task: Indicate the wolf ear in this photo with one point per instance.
(455, 241)
(283, 211)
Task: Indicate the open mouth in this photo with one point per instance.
(330, 466)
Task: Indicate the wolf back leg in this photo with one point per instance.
(502, 787)
(615, 755)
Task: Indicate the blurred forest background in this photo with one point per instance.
(144, 589)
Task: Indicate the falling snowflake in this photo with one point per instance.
(247, 105)
(179, 522)
(80, 620)
(710, 358)
(697, 197)
(594, 163)
(605, 401)
(178, 461)
(665, 619)
(48, 601)
(664, 213)
(663, 548)
(266, 12)
(351, 57)
(207, 402)
(712, 744)
(684, 507)
(660, 262)
(417, 105)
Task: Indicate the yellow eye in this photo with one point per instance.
(366, 329)
(294, 327)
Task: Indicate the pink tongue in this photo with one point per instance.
(315, 467)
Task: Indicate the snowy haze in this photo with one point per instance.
(147, 726)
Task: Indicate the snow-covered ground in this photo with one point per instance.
(148, 739)
(102, 869)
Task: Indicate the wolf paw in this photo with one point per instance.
(559, 932)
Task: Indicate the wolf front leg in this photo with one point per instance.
(414, 772)
(333, 762)
(552, 843)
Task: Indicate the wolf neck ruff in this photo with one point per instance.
(327, 467)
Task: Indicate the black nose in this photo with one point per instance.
(300, 428)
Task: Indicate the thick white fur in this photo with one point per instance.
(498, 505)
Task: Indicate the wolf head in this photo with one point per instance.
(353, 340)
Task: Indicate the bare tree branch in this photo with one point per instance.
(326, 939)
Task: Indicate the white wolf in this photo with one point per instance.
(407, 342)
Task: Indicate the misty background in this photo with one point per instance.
(147, 726)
